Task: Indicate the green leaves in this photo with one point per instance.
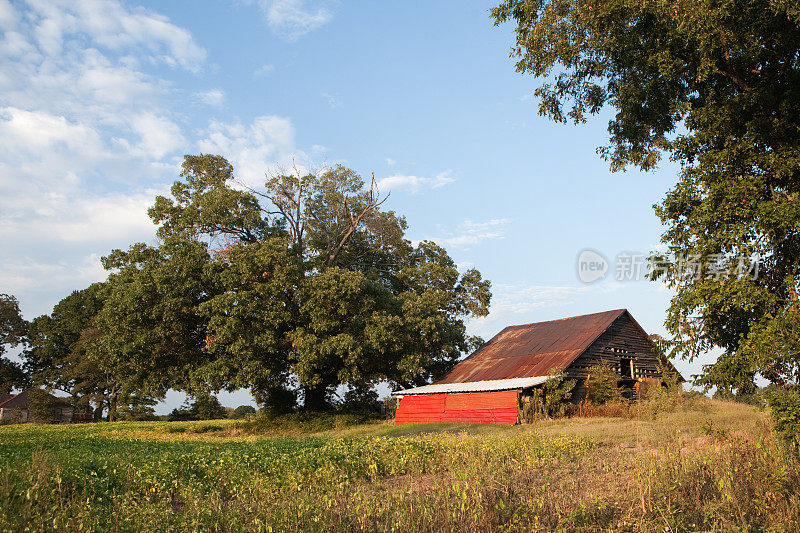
(13, 327)
(13, 331)
(206, 204)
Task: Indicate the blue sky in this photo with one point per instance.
(100, 99)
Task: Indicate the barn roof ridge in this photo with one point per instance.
(620, 311)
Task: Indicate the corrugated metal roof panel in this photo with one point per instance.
(475, 386)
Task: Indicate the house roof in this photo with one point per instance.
(20, 401)
(16, 401)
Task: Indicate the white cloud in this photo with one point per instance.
(412, 183)
(95, 219)
(254, 149)
(109, 24)
(8, 15)
(291, 19)
(34, 131)
(391, 162)
(441, 179)
(213, 97)
(42, 196)
(159, 135)
(26, 273)
(470, 233)
(401, 181)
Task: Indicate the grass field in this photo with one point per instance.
(704, 466)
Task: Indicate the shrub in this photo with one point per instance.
(785, 407)
(602, 385)
(276, 400)
(360, 399)
(137, 408)
(207, 407)
(243, 411)
(180, 414)
(389, 406)
(551, 400)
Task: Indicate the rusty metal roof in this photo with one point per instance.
(532, 349)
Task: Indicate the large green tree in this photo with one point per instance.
(716, 86)
(299, 286)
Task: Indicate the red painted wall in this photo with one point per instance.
(497, 407)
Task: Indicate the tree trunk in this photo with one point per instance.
(112, 408)
(316, 398)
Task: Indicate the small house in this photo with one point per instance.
(16, 408)
(486, 386)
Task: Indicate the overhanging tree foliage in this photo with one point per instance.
(716, 85)
(301, 286)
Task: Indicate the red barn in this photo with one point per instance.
(485, 387)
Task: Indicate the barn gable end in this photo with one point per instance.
(623, 340)
(626, 348)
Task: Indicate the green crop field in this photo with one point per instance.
(705, 466)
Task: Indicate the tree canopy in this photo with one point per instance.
(292, 289)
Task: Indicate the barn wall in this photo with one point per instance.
(496, 407)
(622, 340)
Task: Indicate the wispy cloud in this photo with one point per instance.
(412, 183)
(26, 273)
(263, 70)
(291, 19)
(212, 97)
(111, 25)
(88, 132)
(518, 304)
(471, 233)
